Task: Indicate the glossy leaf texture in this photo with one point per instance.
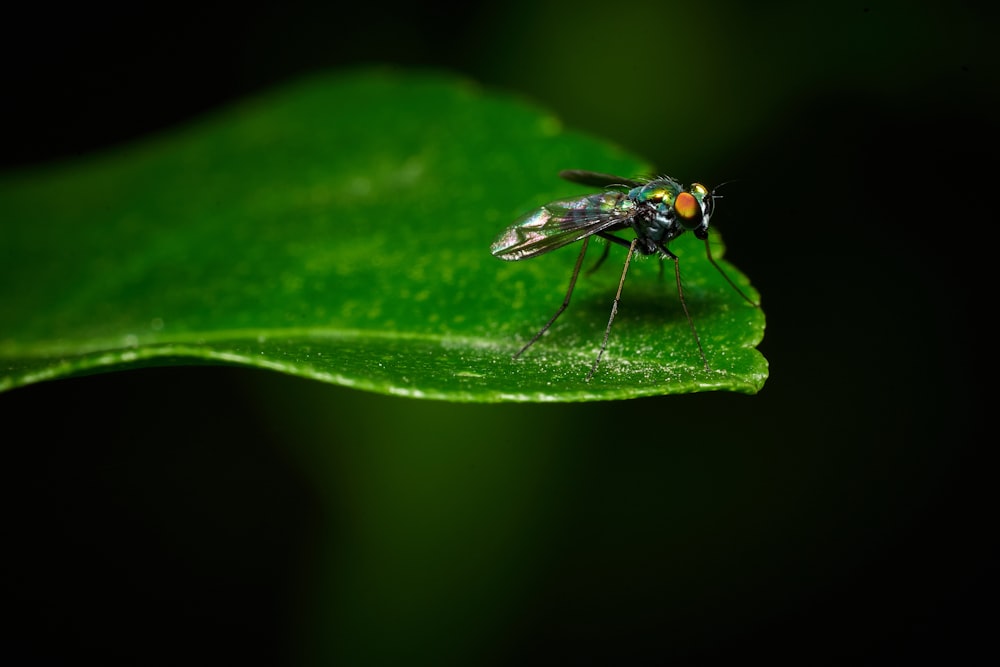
(339, 228)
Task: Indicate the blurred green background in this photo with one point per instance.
(215, 514)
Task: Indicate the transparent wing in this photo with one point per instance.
(597, 179)
(560, 223)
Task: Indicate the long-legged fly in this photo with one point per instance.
(657, 210)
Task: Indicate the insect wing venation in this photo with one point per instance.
(560, 223)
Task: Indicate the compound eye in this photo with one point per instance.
(687, 206)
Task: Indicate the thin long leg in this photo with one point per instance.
(607, 249)
(565, 303)
(680, 294)
(614, 239)
(604, 256)
(708, 252)
(614, 309)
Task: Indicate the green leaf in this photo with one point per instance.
(339, 229)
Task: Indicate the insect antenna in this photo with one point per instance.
(716, 188)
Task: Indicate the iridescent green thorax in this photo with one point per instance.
(660, 191)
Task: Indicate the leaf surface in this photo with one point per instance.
(339, 228)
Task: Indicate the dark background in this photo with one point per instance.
(844, 513)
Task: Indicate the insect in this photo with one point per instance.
(657, 210)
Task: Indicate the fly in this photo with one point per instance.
(656, 210)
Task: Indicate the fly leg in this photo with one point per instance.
(680, 294)
(604, 256)
(708, 253)
(614, 309)
(607, 249)
(565, 303)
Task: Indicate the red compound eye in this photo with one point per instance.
(687, 206)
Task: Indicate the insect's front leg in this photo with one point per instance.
(708, 253)
(666, 254)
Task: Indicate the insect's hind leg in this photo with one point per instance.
(607, 249)
(565, 303)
